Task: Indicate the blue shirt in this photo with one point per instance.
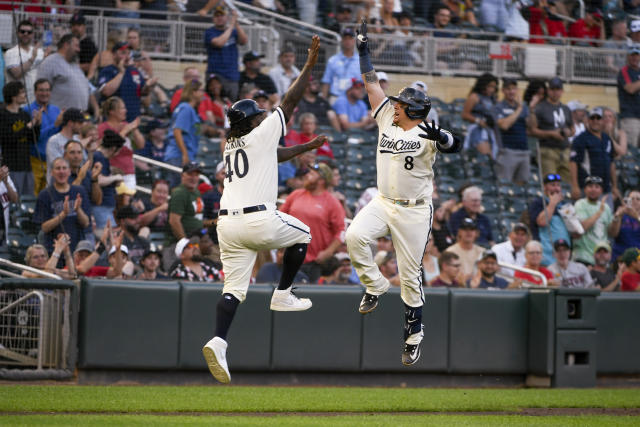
(482, 221)
(222, 60)
(186, 119)
(130, 89)
(108, 192)
(152, 152)
(354, 112)
(593, 156)
(339, 72)
(47, 128)
(514, 138)
(556, 227)
(498, 282)
(628, 237)
(629, 102)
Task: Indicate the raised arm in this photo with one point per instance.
(294, 94)
(374, 91)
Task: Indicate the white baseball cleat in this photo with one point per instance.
(215, 353)
(286, 300)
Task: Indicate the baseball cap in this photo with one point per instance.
(602, 245)
(488, 254)
(123, 248)
(551, 177)
(381, 75)
(126, 211)
(630, 255)
(83, 245)
(508, 81)
(356, 83)
(182, 243)
(420, 85)
(593, 180)
(520, 226)
(555, 83)
(119, 46)
(219, 167)
(382, 257)
(219, 10)
(468, 224)
(191, 167)
(597, 13)
(634, 26)
(153, 249)
(597, 111)
(260, 94)
(156, 124)
(77, 19)
(72, 115)
(343, 8)
(634, 49)
(561, 243)
(251, 55)
(324, 170)
(348, 31)
(575, 105)
(341, 256)
(123, 189)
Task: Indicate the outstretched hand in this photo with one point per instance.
(318, 141)
(362, 41)
(312, 52)
(431, 132)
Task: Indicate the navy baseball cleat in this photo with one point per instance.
(368, 304)
(410, 354)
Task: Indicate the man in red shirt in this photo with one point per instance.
(631, 277)
(590, 27)
(308, 125)
(322, 212)
(533, 257)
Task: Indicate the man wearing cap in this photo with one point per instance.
(322, 212)
(155, 145)
(317, 105)
(22, 60)
(127, 220)
(466, 248)
(221, 42)
(629, 94)
(72, 120)
(150, 265)
(88, 48)
(590, 27)
(343, 16)
(630, 280)
(603, 275)
(252, 74)
(592, 154)
(341, 68)
(284, 72)
(190, 267)
(595, 216)
(472, 208)
(351, 110)
(486, 277)
(69, 86)
(511, 251)
(336, 270)
(567, 273)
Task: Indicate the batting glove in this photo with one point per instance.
(362, 41)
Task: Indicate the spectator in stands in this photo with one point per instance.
(104, 58)
(442, 236)
(546, 223)
(192, 74)
(88, 48)
(342, 17)
(262, 99)
(629, 95)
(19, 132)
(22, 60)
(342, 68)
(155, 145)
(579, 117)
(625, 227)
(479, 110)
(129, 225)
(115, 112)
(271, 271)
(618, 40)
(450, 271)
(332, 187)
(418, 85)
(351, 110)
(533, 255)
(36, 257)
(590, 28)
(336, 270)
(156, 214)
(386, 262)
(513, 163)
(51, 118)
(150, 265)
(62, 207)
(307, 132)
(156, 102)
(516, 26)
(634, 31)
(430, 268)
(317, 105)
(472, 208)
(222, 43)
(190, 267)
(325, 218)
(442, 22)
(72, 121)
(119, 263)
(616, 134)
(535, 92)
(85, 257)
(211, 198)
(210, 250)
(567, 273)
(552, 124)
(466, 248)
(8, 194)
(252, 74)
(70, 87)
(594, 148)
(284, 72)
(218, 95)
(630, 280)
(124, 80)
(603, 275)
(111, 144)
(486, 277)
(512, 250)
(84, 173)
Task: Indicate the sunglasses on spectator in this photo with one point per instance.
(193, 245)
(595, 117)
(552, 177)
(26, 31)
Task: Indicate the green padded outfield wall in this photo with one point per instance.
(618, 341)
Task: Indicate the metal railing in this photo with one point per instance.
(23, 267)
(165, 166)
(534, 273)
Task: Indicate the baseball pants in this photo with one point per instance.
(410, 228)
(241, 236)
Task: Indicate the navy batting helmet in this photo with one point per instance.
(418, 104)
(242, 110)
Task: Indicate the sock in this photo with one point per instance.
(291, 262)
(225, 310)
(412, 320)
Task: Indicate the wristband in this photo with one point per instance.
(100, 248)
(55, 255)
(365, 62)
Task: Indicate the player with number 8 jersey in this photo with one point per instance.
(248, 220)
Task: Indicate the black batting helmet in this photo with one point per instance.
(242, 110)
(418, 104)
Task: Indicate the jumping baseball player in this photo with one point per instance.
(248, 219)
(407, 148)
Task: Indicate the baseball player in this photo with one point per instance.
(407, 148)
(248, 220)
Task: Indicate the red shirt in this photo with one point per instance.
(97, 271)
(296, 138)
(580, 30)
(555, 28)
(630, 281)
(322, 213)
(205, 105)
(534, 279)
(123, 159)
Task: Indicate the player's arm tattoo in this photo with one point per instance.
(371, 77)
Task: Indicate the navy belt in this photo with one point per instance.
(247, 210)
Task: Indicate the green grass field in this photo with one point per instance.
(324, 406)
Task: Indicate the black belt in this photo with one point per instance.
(247, 210)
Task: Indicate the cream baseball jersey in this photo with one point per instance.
(251, 165)
(404, 160)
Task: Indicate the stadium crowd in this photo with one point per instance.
(74, 117)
